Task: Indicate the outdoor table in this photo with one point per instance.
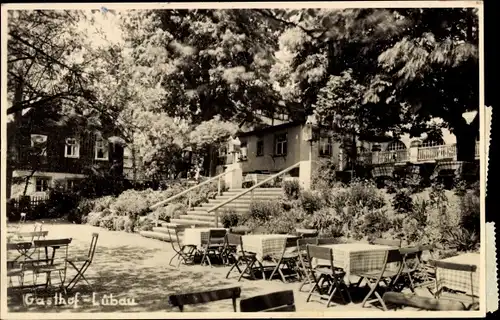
(29, 256)
(356, 258)
(461, 280)
(195, 236)
(264, 245)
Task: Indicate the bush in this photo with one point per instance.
(291, 189)
(94, 218)
(470, 215)
(326, 221)
(79, 214)
(462, 240)
(437, 195)
(391, 186)
(420, 213)
(460, 188)
(365, 194)
(264, 210)
(146, 223)
(402, 201)
(375, 223)
(103, 203)
(108, 222)
(311, 201)
(413, 182)
(229, 218)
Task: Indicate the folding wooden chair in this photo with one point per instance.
(85, 263)
(388, 242)
(248, 259)
(332, 276)
(469, 300)
(399, 300)
(304, 263)
(411, 263)
(385, 275)
(214, 246)
(15, 267)
(184, 253)
(281, 301)
(49, 265)
(288, 259)
(181, 300)
(427, 271)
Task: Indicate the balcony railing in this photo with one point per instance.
(437, 152)
(393, 156)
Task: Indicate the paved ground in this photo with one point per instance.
(131, 266)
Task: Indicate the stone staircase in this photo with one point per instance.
(199, 217)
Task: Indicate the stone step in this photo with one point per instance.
(196, 223)
(207, 218)
(257, 189)
(247, 197)
(166, 230)
(255, 192)
(155, 235)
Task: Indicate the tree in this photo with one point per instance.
(407, 59)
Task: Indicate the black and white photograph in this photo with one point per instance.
(211, 159)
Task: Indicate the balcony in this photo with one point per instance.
(423, 154)
(437, 153)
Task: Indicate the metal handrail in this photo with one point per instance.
(190, 189)
(249, 190)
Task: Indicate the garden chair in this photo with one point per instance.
(85, 262)
(272, 302)
(327, 241)
(184, 253)
(288, 259)
(248, 259)
(181, 300)
(306, 233)
(214, 246)
(399, 300)
(427, 271)
(305, 266)
(49, 265)
(469, 300)
(15, 267)
(331, 275)
(411, 257)
(385, 274)
(388, 242)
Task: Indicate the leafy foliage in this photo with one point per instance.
(402, 201)
(291, 189)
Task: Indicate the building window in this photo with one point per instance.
(101, 149)
(42, 184)
(325, 146)
(71, 184)
(260, 148)
(72, 148)
(396, 145)
(280, 144)
(39, 144)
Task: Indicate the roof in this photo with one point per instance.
(268, 129)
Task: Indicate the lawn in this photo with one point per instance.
(127, 265)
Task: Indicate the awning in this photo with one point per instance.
(459, 168)
(383, 171)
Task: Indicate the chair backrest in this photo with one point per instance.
(18, 245)
(325, 241)
(307, 233)
(233, 239)
(173, 235)
(93, 244)
(388, 242)
(217, 236)
(181, 300)
(302, 243)
(411, 257)
(321, 253)
(34, 234)
(401, 299)
(291, 242)
(272, 302)
(61, 243)
(453, 266)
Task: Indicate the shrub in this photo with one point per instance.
(460, 188)
(79, 214)
(461, 239)
(437, 195)
(326, 221)
(94, 218)
(311, 201)
(366, 194)
(375, 223)
(108, 222)
(324, 177)
(264, 210)
(146, 223)
(470, 215)
(414, 183)
(420, 214)
(402, 201)
(103, 203)
(291, 189)
(285, 222)
(229, 218)
(391, 186)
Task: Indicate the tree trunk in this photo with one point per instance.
(12, 140)
(466, 135)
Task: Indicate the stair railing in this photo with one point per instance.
(251, 189)
(188, 191)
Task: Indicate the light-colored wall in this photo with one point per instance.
(54, 176)
(267, 161)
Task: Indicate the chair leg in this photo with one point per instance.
(373, 287)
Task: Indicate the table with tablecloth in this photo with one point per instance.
(356, 258)
(195, 236)
(264, 245)
(461, 280)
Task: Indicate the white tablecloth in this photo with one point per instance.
(355, 258)
(264, 245)
(194, 236)
(460, 280)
